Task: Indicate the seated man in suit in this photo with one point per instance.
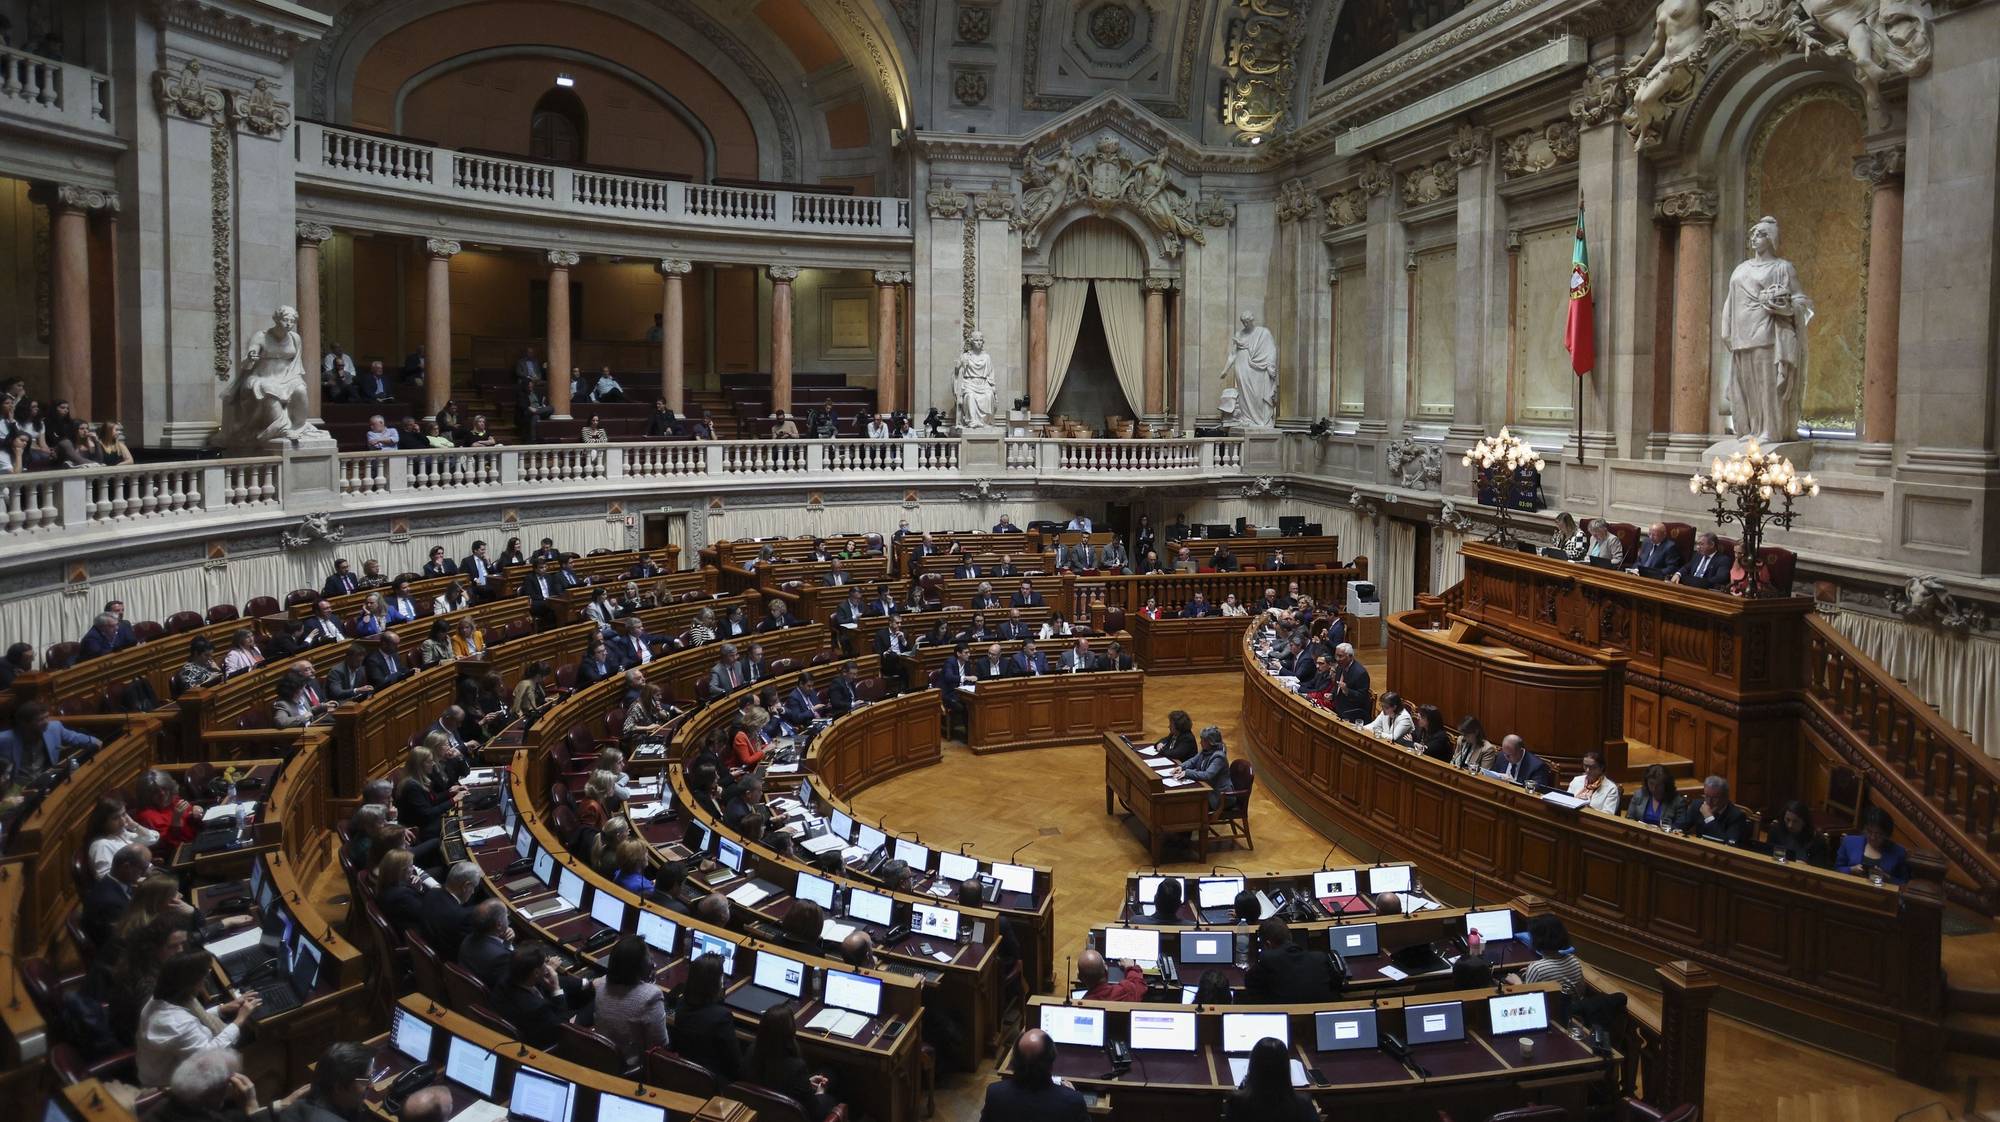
(836, 575)
(1006, 567)
(107, 634)
(1032, 1093)
(1708, 568)
(885, 603)
(1076, 557)
(488, 948)
(348, 680)
(958, 670)
(447, 919)
(629, 644)
(387, 666)
(1198, 607)
(802, 704)
(1078, 659)
(1005, 526)
(851, 611)
(967, 569)
(841, 696)
(439, 565)
(1715, 817)
(1013, 629)
(1287, 972)
(1030, 661)
(984, 597)
(727, 675)
(1115, 658)
(481, 573)
(1027, 597)
(536, 999)
(342, 581)
(545, 589)
(644, 569)
(1521, 766)
(569, 576)
(1659, 556)
(596, 664)
(894, 646)
(1349, 691)
(108, 897)
(1223, 561)
(1113, 559)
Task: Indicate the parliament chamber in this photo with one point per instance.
(1017, 560)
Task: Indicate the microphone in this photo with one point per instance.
(1327, 861)
(1022, 846)
(962, 847)
(1218, 869)
(1069, 973)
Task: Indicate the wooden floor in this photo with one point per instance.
(1053, 800)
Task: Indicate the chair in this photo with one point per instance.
(563, 821)
(1783, 565)
(1682, 535)
(669, 1072)
(1234, 812)
(1632, 1110)
(1535, 1113)
(484, 1015)
(298, 596)
(463, 987)
(222, 613)
(257, 607)
(426, 969)
(772, 1106)
(592, 1049)
(783, 666)
(187, 621)
(60, 656)
(1114, 620)
(1846, 796)
(392, 959)
(147, 630)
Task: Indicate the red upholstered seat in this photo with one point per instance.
(257, 607)
(60, 656)
(187, 621)
(221, 613)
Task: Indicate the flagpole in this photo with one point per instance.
(1579, 420)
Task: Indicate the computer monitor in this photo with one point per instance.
(1161, 1030)
(1129, 944)
(1351, 939)
(818, 889)
(470, 1066)
(1344, 1030)
(1434, 1024)
(696, 838)
(1015, 878)
(1242, 1031)
(412, 1036)
(957, 866)
(659, 932)
(1518, 1012)
(545, 866)
(776, 972)
(1207, 947)
(869, 839)
(1291, 525)
(1071, 1024)
(1217, 892)
(939, 923)
(729, 854)
(1334, 882)
(524, 840)
(840, 825)
(856, 993)
(543, 1098)
(1219, 529)
(805, 795)
(1149, 887)
(701, 943)
(914, 855)
(870, 907)
(618, 1108)
(305, 968)
(1492, 926)
(570, 886)
(259, 886)
(608, 910)
(1389, 878)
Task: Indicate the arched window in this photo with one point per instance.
(559, 129)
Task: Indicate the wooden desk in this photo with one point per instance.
(1471, 1078)
(984, 546)
(1810, 949)
(1162, 810)
(1171, 590)
(338, 1000)
(50, 836)
(1008, 714)
(1185, 646)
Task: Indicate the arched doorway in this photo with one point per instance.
(1097, 323)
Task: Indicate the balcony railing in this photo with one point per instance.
(37, 504)
(333, 156)
(53, 92)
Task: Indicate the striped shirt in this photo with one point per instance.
(1564, 968)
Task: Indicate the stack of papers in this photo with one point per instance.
(484, 834)
(1159, 763)
(1562, 798)
(1171, 782)
(1149, 750)
(547, 907)
(821, 844)
(748, 894)
(241, 941)
(791, 768)
(481, 1111)
(481, 777)
(645, 812)
(221, 811)
(837, 1022)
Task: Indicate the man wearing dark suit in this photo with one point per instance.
(1005, 526)
(1031, 1094)
(596, 665)
(894, 648)
(1336, 632)
(1078, 659)
(984, 600)
(1006, 568)
(978, 631)
(1030, 662)
(107, 634)
(567, 575)
(1115, 658)
(536, 999)
(446, 918)
(1659, 556)
(387, 666)
(403, 904)
(1076, 557)
(544, 588)
(967, 570)
(644, 570)
(1287, 972)
(342, 582)
(802, 704)
(755, 667)
(1014, 629)
(1715, 817)
(439, 565)
(1197, 608)
(546, 551)
(1522, 766)
(1349, 685)
(836, 575)
(1223, 561)
(1707, 569)
(840, 696)
(107, 898)
(851, 610)
(663, 421)
(885, 604)
(488, 948)
(1027, 597)
(957, 671)
(629, 646)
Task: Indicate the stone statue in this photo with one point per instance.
(1253, 365)
(972, 384)
(1665, 77)
(1162, 203)
(266, 401)
(1764, 318)
(1882, 38)
(1104, 178)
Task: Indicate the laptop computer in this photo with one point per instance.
(774, 979)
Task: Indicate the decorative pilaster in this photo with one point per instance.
(1385, 241)
(311, 235)
(70, 207)
(1038, 343)
(782, 277)
(1686, 990)
(887, 392)
(1693, 210)
(673, 331)
(1156, 345)
(437, 322)
(560, 262)
(1883, 171)
(1480, 233)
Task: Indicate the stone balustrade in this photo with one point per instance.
(44, 91)
(340, 158)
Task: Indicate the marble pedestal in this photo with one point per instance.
(982, 451)
(1263, 453)
(312, 471)
(1800, 452)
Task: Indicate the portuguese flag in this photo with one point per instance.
(1580, 334)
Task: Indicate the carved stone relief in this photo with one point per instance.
(969, 87)
(1430, 182)
(1104, 178)
(1348, 208)
(1536, 150)
(1295, 201)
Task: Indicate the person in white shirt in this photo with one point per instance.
(606, 390)
(175, 1025)
(1394, 721)
(1594, 787)
(1054, 627)
(382, 438)
(878, 429)
(337, 363)
(111, 829)
(1231, 608)
(324, 626)
(1081, 523)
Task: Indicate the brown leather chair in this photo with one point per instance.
(592, 1049)
(298, 596)
(463, 987)
(1783, 565)
(425, 967)
(1682, 535)
(188, 621)
(218, 613)
(147, 630)
(60, 656)
(257, 607)
(771, 1106)
(1628, 536)
(670, 1072)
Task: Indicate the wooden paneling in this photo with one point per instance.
(1014, 713)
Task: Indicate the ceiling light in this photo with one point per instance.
(565, 81)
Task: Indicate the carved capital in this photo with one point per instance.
(1040, 280)
(1598, 102)
(1469, 145)
(1348, 208)
(74, 196)
(312, 233)
(782, 274)
(945, 202)
(674, 267)
(1333, 278)
(1214, 210)
(889, 278)
(186, 93)
(258, 110)
(995, 204)
(1157, 284)
(1375, 178)
(1296, 200)
(1693, 205)
(561, 258)
(441, 248)
(1881, 168)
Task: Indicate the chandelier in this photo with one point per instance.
(1501, 459)
(1746, 486)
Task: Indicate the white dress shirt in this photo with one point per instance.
(102, 850)
(1604, 798)
(1394, 727)
(169, 1033)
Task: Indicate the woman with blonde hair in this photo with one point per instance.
(419, 805)
(746, 748)
(468, 641)
(603, 855)
(600, 799)
(611, 759)
(631, 872)
(702, 630)
(374, 616)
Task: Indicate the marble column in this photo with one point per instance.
(311, 236)
(782, 277)
(560, 261)
(69, 295)
(107, 397)
(1038, 345)
(437, 322)
(1481, 263)
(1883, 170)
(1694, 267)
(673, 332)
(888, 397)
(1156, 346)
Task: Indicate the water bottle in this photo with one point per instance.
(232, 792)
(1090, 941)
(1242, 957)
(242, 826)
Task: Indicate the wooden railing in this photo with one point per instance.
(1931, 775)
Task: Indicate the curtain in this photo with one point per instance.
(1450, 567)
(1122, 307)
(1097, 249)
(1958, 674)
(1397, 584)
(1093, 249)
(1066, 300)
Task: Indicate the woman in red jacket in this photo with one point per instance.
(160, 808)
(746, 749)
